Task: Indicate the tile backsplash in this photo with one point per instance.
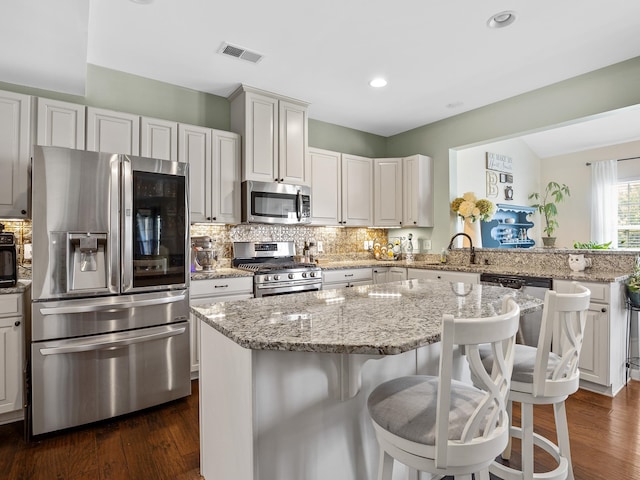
(22, 231)
(336, 241)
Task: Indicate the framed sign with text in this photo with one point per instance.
(501, 163)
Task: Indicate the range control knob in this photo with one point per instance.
(313, 274)
(304, 274)
(276, 277)
(290, 275)
(267, 278)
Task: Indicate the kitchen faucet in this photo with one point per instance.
(472, 257)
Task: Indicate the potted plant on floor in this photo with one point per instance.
(553, 194)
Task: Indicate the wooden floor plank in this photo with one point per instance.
(163, 443)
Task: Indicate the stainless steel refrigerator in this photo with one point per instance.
(109, 330)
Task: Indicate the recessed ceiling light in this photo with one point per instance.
(378, 82)
(502, 19)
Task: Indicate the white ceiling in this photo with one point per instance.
(433, 53)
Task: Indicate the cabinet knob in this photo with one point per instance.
(415, 223)
(282, 179)
(17, 323)
(24, 212)
(603, 309)
(215, 218)
(276, 180)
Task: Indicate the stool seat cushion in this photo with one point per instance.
(406, 407)
(523, 363)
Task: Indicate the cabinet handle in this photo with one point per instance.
(17, 323)
(221, 286)
(349, 275)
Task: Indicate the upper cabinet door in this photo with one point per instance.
(195, 149)
(326, 194)
(15, 153)
(60, 124)
(225, 186)
(261, 138)
(357, 191)
(112, 132)
(387, 192)
(159, 139)
(418, 191)
(293, 163)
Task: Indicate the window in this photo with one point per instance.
(629, 214)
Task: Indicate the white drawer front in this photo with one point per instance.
(10, 305)
(347, 275)
(221, 287)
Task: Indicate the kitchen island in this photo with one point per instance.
(284, 380)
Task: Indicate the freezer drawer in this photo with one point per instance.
(85, 379)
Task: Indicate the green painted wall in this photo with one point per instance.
(600, 91)
(345, 140)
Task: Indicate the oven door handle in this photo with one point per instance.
(299, 205)
(113, 341)
(111, 307)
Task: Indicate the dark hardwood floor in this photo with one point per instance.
(162, 443)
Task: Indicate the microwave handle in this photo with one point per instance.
(299, 205)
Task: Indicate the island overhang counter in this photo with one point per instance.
(284, 380)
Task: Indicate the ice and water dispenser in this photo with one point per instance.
(87, 257)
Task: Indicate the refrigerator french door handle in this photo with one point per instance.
(106, 307)
(126, 220)
(118, 340)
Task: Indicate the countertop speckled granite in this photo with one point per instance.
(220, 273)
(375, 319)
(20, 287)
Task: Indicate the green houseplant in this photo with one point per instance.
(553, 194)
(633, 286)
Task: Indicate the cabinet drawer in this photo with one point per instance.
(600, 292)
(347, 275)
(221, 287)
(10, 305)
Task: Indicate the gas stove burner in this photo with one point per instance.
(271, 267)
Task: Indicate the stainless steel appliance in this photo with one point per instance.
(109, 332)
(278, 203)
(8, 259)
(534, 286)
(276, 272)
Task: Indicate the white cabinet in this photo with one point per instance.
(389, 274)
(211, 291)
(444, 275)
(214, 173)
(112, 132)
(61, 124)
(387, 192)
(417, 210)
(602, 358)
(15, 154)
(274, 136)
(341, 189)
(158, 139)
(326, 187)
(11, 352)
(403, 192)
(357, 191)
(348, 277)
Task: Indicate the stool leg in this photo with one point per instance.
(506, 454)
(527, 440)
(483, 474)
(385, 467)
(562, 431)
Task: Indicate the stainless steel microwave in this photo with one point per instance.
(277, 203)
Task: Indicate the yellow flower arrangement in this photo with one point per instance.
(468, 206)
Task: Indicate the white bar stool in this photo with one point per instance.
(443, 426)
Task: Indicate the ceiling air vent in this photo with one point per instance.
(239, 52)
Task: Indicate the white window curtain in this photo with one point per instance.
(604, 202)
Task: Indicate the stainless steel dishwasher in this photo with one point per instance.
(534, 286)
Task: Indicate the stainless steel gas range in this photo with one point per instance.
(276, 271)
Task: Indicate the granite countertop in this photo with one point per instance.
(220, 273)
(375, 319)
(535, 270)
(558, 273)
(20, 287)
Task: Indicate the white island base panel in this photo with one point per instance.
(280, 415)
